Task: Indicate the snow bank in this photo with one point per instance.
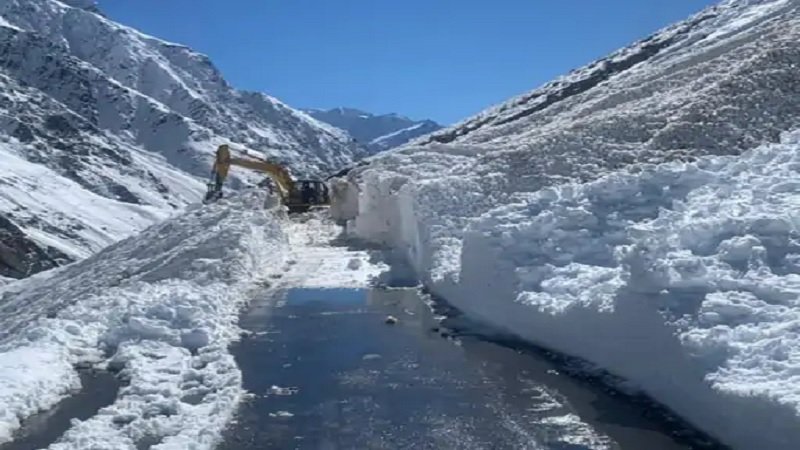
(344, 200)
(682, 278)
(418, 202)
(161, 307)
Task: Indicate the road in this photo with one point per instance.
(327, 372)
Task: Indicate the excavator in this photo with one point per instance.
(298, 196)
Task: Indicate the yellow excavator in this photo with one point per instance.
(298, 196)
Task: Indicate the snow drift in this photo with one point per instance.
(683, 278)
(606, 215)
(160, 307)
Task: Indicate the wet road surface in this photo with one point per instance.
(327, 372)
(98, 390)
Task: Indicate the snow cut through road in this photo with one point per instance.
(325, 370)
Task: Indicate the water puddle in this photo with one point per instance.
(99, 389)
(329, 370)
(339, 297)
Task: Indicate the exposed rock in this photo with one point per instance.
(20, 256)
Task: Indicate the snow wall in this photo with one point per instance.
(682, 278)
(344, 201)
(162, 308)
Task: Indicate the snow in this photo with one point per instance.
(344, 201)
(318, 260)
(160, 307)
(377, 132)
(400, 137)
(122, 127)
(7, 24)
(397, 133)
(758, 11)
(683, 278)
(28, 378)
(82, 4)
(32, 191)
(607, 215)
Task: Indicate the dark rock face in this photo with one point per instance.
(20, 257)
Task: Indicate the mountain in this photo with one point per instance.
(88, 5)
(377, 132)
(721, 82)
(670, 91)
(639, 213)
(403, 136)
(105, 130)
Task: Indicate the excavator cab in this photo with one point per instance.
(308, 194)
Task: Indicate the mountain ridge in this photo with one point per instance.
(116, 117)
(378, 132)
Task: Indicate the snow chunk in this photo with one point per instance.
(344, 200)
(354, 263)
(32, 378)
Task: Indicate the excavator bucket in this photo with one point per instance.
(212, 194)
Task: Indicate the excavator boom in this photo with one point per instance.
(278, 174)
(312, 192)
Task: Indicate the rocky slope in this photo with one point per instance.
(115, 129)
(723, 81)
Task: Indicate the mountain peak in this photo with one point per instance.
(378, 131)
(348, 112)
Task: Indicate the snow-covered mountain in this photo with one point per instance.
(403, 136)
(610, 215)
(104, 130)
(721, 82)
(377, 132)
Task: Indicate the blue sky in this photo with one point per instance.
(439, 59)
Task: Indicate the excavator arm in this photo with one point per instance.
(279, 174)
(298, 196)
